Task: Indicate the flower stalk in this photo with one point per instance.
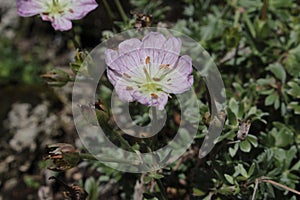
(121, 11)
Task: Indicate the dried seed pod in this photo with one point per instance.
(142, 20)
(73, 192)
(244, 128)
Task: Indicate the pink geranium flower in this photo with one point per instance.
(58, 12)
(148, 71)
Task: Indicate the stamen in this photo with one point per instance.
(156, 79)
(147, 74)
(154, 96)
(147, 60)
(129, 88)
(126, 75)
(71, 10)
(164, 66)
(169, 79)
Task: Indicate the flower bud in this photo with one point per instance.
(63, 156)
(56, 77)
(78, 60)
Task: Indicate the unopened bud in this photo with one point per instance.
(79, 58)
(56, 77)
(63, 156)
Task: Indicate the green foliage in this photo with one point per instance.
(150, 7)
(257, 48)
(14, 68)
(256, 45)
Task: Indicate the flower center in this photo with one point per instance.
(57, 7)
(151, 87)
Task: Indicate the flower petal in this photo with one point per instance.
(125, 89)
(28, 8)
(184, 65)
(129, 46)
(124, 94)
(61, 24)
(147, 99)
(180, 78)
(80, 8)
(129, 50)
(153, 40)
(112, 76)
(173, 44)
(171, 51)
(152, 45)
(110, 56)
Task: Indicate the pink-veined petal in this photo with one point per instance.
(153, 40)
(184, 65)
(177, 84)
(129, 46)
(152, 46)
(110, 56)
(80, 8)
(180, 78)
(122, 88)
(147, 99)
(171, 51)
(61, 24)
(28, 8)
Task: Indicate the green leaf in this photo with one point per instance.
(234, 107)
(296, 166)
(156, 176)
(283, 137)
(283, 109)
(231, 37)
(251, 170)
(278, 70)
(253, 140)
(294, 90)
(290, 154)
(229, 178)
(245, 146)
(147, 179)
(277, 103)
(197, 192)
(270, 99)
(91, 186)
(231, 117)
(252, 111)
(294, 106)
(233, 151)
(242, 170)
